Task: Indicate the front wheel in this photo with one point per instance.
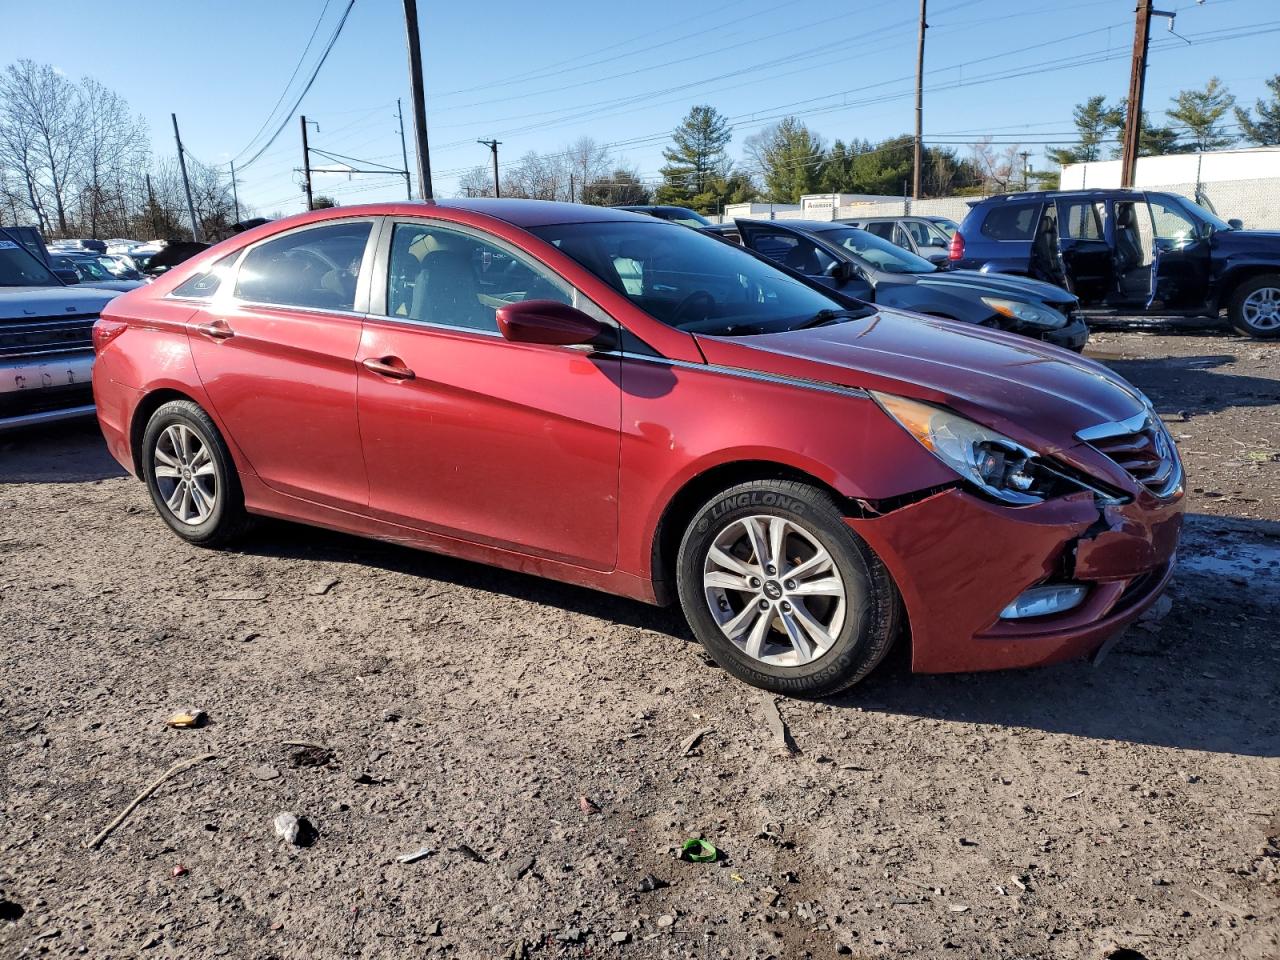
(1255, 307)
(782, 593)
(191, 476)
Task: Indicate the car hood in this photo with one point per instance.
(996, 285)
(17, 303)
(1248, 241)
(1037, 394)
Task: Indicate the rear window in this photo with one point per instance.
(1012, 221)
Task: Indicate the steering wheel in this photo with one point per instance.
(687, 304)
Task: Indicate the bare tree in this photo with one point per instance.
(996, 168)
(112, 142)
(41, 100)
(476, 182)
(585, 160)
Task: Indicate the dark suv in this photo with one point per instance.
(1129, 251)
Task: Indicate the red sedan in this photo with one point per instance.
(632, 405)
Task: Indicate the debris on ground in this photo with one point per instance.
(649, 883)
(151, 788)
(588, 806)
(696, 850)
(187, 719)
(780, 734)
(420, 854)
(689, 743)
(321, 587)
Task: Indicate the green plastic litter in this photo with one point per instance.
(698, 851)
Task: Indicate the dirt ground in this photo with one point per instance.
(1063, 812)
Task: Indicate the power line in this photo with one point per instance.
(288, 83)
(314, 73)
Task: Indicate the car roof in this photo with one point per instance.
(1054, 194)
(812, 226)
(518, 212)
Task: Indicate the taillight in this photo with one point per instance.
(104, 331)
(955, 251)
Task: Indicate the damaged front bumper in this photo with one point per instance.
(959, 561)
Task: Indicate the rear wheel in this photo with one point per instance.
(1255, 307)
(191, 476)
(782, 593)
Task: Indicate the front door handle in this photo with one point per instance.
(391, 367)
(217, 330)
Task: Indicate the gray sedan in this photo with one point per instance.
(862, 265)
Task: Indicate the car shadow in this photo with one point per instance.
(71, 451)
(1190, 386)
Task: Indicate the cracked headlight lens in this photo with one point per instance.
(999, 466)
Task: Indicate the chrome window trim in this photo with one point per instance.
(742, 374)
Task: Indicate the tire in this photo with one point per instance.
(858, 614)
(1254, 310)
(211, 512)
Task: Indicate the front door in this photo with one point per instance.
(1082, 246)
(1180, 265)
(469, 435)
(276, 355)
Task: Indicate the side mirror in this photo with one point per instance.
(1235, 223)
(841, 271)
(548, 322)
(66, 276)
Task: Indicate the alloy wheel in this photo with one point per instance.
(185, 474)
(774, 590)
(1261, 309)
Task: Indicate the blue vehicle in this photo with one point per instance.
(1129, 252)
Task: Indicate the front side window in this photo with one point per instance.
(1171, 221)
(314, 268)
(692, 281)
(1011, 221)
(798, 253)
(452, 278)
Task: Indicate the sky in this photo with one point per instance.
(539, 75)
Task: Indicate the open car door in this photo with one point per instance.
(1086, 257)
(1180, 258)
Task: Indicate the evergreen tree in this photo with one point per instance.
(623, 186)
(1095, 122)
(789, 157)
(1201, 111)
(696, 157)
(1266, 131)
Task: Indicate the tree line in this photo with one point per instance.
(1197, 120)
(76, 162)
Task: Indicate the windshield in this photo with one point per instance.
(881, 254)
(18, 268)
(692, 281)
(89, 270)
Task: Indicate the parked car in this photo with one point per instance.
(928, 237)
(862, 265)
(681, 215)
(626, 404)
(46, 352)
(1130, 252)
(88, 270)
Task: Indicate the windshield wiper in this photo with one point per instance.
(827, 316)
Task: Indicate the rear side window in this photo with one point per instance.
(881, 229)
(1011, 221)
(315, 268)
(1080, 219)
(206, 284)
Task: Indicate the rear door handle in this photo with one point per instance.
(217, 330)
(386, 367)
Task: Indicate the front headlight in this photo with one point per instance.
(1044, 317)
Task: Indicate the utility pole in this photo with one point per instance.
(1026, 170)
(404, 153)
(151, 206)
(186, 183)
(306, 161)
(493, 146)
(1137, 83)
(419, 100)
(235, 194)
(919, 146)
(572, 191)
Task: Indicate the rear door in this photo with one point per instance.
(471, 436)
(276, 355)
(1181, 257)
(1087, 258)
